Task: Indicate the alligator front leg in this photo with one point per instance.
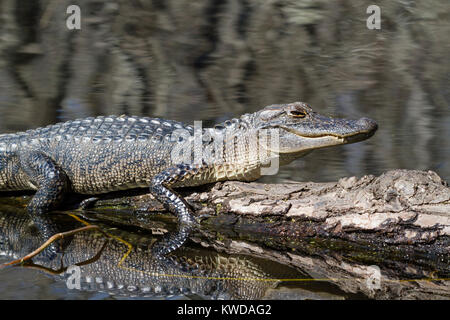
(160, 188)
(51, 182)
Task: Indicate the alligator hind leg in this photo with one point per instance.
(51, 182)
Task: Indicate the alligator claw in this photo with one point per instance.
(87, 203)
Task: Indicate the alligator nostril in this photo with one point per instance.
(368, 124)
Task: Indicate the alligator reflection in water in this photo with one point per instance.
(120, 262)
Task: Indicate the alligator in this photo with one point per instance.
(119, 263)
(109, 153)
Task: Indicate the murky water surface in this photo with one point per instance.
(213, 60)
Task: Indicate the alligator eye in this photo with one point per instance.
(297, 114)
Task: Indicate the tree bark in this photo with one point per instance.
(385, 237)
(398, 207)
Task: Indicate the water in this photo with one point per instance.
(119, 264)
(212, 60)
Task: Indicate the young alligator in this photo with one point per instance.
(103, 154)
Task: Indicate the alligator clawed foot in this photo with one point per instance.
(87, 203)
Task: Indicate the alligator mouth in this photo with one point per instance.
(347, 138)
(367, 129)
(359, 136)
(294, 140)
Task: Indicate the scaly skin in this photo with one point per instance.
(103, 154)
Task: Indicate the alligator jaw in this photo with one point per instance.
(360, 136)
(293, 140)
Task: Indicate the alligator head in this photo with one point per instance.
(302, 130)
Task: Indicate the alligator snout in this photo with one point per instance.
(364, 128)
(367, 124)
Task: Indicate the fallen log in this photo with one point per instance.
(386, 237)
(398, 207)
